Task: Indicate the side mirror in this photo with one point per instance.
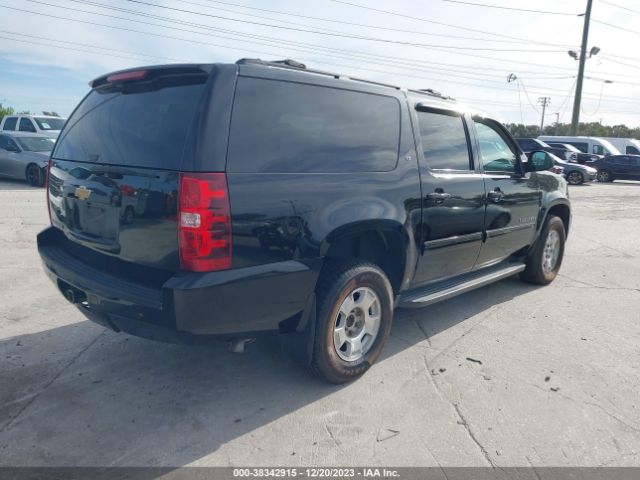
(540, 161)
(11, 148)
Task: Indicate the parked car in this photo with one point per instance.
(575, 173)
(529, 145)
(580, 157)
(618, 167)
(595, 145)
(42, 124)
(628, 146)
(25, 156)
(300, 214)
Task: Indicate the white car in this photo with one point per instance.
(40, 124)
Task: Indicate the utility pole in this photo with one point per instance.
(557, 114)
(545, 102)
(575, 119)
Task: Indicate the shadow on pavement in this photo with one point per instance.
(78, 395)
(16, 185)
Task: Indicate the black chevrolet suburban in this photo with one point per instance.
(190, 202)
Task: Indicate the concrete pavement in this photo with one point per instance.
(508, 375)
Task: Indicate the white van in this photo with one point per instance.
(628, 146)
(598, 146)
(42, 124)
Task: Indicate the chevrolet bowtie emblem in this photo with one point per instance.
(82, 193)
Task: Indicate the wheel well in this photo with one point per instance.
(563, 212)
(386, 249)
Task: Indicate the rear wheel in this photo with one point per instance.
(355, 312)
(605, 176)
(34, 175)
(575, 178)
(545, 259)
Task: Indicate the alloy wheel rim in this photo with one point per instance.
(357, 324)
(574, 178)
(551, 252)
(603, 176)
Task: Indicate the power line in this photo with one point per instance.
(546, 12)
(199, 25)
(340, 34)
(127, 52)
(222, 46)
(342, 22)
(618, 27)
(607, 57)
(236, 33)
(599, 103)
(620, 6)
(422, 19)
(129, 57)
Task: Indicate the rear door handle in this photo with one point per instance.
(496, 195)
(438, 197)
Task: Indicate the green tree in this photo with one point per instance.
(592, 129)
(4, 111)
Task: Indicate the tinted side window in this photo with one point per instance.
(26, 125)
(4, 141)
(622, 161)
(631, 150)
(10, 123)
(288, 127)
(495, 153)
(444, 141)
(527, 144)
(583, 147)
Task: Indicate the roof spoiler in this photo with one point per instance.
(150, 75)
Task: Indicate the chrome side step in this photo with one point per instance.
(435, 293)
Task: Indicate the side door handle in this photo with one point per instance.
(438, 196)
(496, 195)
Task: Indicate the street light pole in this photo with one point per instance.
(545, 102)
(575, 119)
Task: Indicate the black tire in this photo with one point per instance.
(604, 176)
(34, 175)
(128, 216)
(575, 178)
(535, 272)
(337, 282)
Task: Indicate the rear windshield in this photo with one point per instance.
(142, 129)
(49, 123)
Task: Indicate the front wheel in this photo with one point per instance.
(575, 178)
(545, 259)
(34, 175)
(355, 312)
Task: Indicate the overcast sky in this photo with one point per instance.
(46, 62)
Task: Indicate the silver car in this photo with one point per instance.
(25, 155)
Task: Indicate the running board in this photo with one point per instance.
(448, 289)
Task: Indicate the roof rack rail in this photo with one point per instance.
(433, 93)
(295, 65)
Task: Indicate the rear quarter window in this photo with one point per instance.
(10, 123)
(285, 127)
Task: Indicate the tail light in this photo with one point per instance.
(558, 170)
(204, 217)
(46, 188)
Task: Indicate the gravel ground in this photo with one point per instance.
(508, 375)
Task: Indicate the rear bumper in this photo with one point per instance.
(189, 307)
